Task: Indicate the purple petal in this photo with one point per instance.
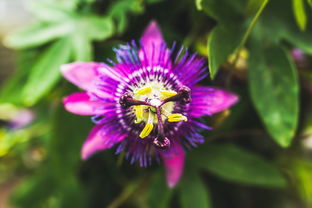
(81, 74)
(208, 100)
(81, 104)
(99, 140)
(174, 164)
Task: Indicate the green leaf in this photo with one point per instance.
(193, 192)
(222, 43)
(45, 73)
(58, 176)
(274, 90)
(237, 165)
(11, 91)
(82, 48)
(229, 12)
(37, 35)
(95, 27)
(227, 39)
(300, 14)
(159, 194)
(35, 190)
(119, 10)
(72, 193)
(299, 39)
(278, 26)
(91, 27)
(153, 1)
(65, 142)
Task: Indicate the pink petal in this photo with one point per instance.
(80, 103)
(99, 140)
(152, 43)
(82, 74)
(208, 100)
(152, 35)
(174, 164)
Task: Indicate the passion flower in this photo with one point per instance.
(147, 103)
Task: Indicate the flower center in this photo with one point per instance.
(153, 105)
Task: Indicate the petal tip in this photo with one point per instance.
(84, 156)
(81, 74)
(172, 184)
(152, 34)
(67, 68)
(232, 98)
(174, 165)
(99, 140)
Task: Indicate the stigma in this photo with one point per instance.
(153, 105)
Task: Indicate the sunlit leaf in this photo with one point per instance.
(300, 14)
(37, 35)
(45, 73)
(274, 90)
(82, 48)
(48, 11)
(91, 27)
(199, 4)
(95, 27)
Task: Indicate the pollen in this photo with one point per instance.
(147, 130)
(176, 117)
(167, 94)
(149, 126)
(143, 91)
(152, 104)
(139, 112)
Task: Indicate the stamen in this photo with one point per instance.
(165, 112)
(183, 96)
(146, 131)
(167, 94)
(176, 117)
(153, 105)
(143, 91)
(161, 141)
(139, 110)
(148, 127)
(126, 101)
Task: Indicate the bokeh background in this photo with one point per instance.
(258, 153)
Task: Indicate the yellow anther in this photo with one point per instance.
(143, 91)
(176, 117)
(139, 110)
(149, 126)
(167, 94)
(146, 131)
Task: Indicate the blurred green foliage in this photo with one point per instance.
(243, 163)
